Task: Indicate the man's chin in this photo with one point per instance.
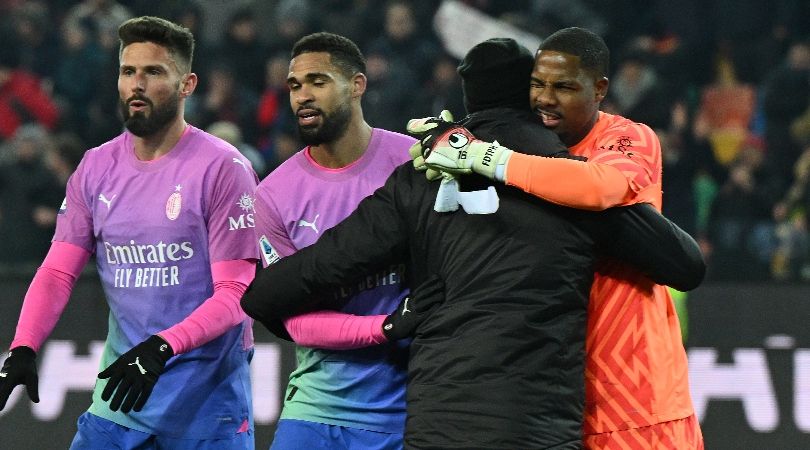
(139, 128)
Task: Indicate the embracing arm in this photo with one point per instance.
(591, 185)
(642, 237)
(372, 236)
(569, 182)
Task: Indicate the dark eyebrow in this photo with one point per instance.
(310, 76)
(149, 67)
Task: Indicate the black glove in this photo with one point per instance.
(428, 129)
(414, 309)
(20, 368)
(135, 374)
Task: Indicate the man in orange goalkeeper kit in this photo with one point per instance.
(636, 379)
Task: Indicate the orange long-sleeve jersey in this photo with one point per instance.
(636, 369)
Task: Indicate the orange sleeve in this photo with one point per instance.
(569, 182)
(635, 150)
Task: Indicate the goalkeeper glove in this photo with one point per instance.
(451, 148)
(134, 374)
(414, 309)
(20, 368)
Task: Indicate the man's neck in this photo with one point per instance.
(149, 148)
(346, 149)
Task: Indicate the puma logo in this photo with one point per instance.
(240, 162)
(104, 199)
(304, 223)
(138, 364)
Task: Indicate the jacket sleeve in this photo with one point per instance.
(368, 239)
(642, 237)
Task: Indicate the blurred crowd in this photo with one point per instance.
(726, 85)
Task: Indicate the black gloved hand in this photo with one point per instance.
(20, 368)
(135, 373)
(429, 129)
(414, 309)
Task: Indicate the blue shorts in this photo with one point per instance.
(96, 433)
(300, 434)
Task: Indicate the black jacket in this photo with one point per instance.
(501, 363)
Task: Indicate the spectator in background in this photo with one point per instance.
(791, 259)
(22, 98)
(30, 194)
(741, 228)
(77, 76)
(688, 164)
(639, 93)
(35, 37)
(190, 14)
(405, 44)
(442, 91)
(273, 118)
(551, 15)
(725, 111)
(678, 172)
(103, 16)
(64, 156)
(293, 20)
(785, 96)
(230, 133)
(225, 98)
(357, 20)
(389, 92)
(243, 51)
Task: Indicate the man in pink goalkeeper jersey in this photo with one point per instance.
(168, 211)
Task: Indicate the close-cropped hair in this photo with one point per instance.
(177, 39)
(591, 49)
(344, 54)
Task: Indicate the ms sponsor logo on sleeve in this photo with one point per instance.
(244, 220)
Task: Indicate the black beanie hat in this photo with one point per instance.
(495, 73)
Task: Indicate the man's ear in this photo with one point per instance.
(602, 85)
(359, 83)
(188, 84)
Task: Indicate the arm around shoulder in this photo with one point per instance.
(644, 238)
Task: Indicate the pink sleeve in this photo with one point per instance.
(334, 330)
(219, 312)
(49, 293)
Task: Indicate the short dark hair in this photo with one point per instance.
(344, 53)
(177, 39)
(591, 49)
